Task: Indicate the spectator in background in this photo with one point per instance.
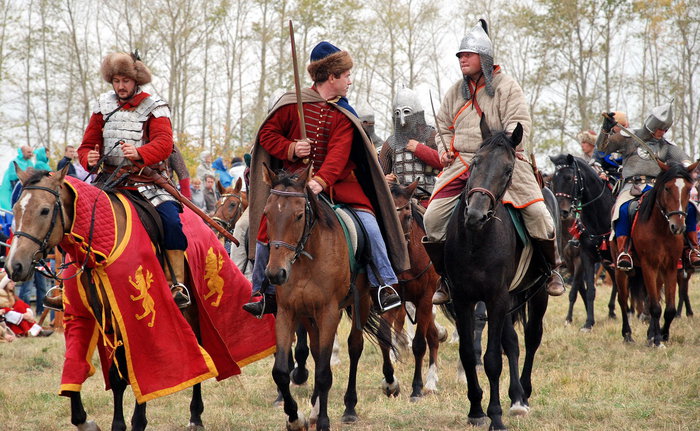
(69, 154)
(18, 315)
(221, 172)
(42, 160)
(197, 194)
(237, 170)
(211, 195)
(587, 139)
(24, 161)
(204, 167)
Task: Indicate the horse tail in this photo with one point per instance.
(519, 313)
(448, 310)
(379, 330)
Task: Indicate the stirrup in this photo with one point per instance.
(696, 252)
(183, 299)
(390, 306)
(53, 302)
(250, 307)
(619, 259)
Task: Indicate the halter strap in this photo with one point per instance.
(56, 212)
(309, 223)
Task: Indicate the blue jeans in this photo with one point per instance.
(380, 258)
(174, 238)
(262, 256)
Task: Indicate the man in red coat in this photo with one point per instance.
(130, 129)
(332, 129)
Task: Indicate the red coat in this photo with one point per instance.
(24, 326)
(159, 144)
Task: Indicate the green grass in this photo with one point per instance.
(582, 382)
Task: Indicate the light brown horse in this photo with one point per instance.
(231, 204)
(657, 235)
(416, 285)
(309, 265)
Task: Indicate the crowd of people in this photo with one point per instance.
(341, 144)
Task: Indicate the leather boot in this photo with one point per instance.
(53, 301)
(181, 295)
(266, 305)
(436, 252)
(549, 249)
(694, 251)
(624, 259)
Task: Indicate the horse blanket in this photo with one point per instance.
(162, 353)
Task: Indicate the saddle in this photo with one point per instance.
(524, 239)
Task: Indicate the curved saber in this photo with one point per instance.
(437, 126)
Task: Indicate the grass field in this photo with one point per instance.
(582, 381)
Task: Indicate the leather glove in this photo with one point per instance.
(609, 123)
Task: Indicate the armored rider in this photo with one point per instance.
(130, 129)
(345, 168)
(485, 89)
(639, 172)
(410, 152)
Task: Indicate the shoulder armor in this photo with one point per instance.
(670, 142)
(161, 111)
(149, 105)
(106, 103)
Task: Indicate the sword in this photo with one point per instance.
(636, 138)
(437, 126)
(156, 178)
(297, 87)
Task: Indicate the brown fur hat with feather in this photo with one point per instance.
(129, 65)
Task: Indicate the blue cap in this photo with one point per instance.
(323, 50)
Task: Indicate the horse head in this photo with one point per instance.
(565, 184)
(402, 201)
(491, 171)
(289, 211)
(41, 220)
(670, 194)
(230, 206)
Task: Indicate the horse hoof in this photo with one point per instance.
(585, 329)
(442, 334)
(194, 427)
(391, 390)
(301, 424)
(477, 422)
(519, 409)
(349, 418)
(612, 316)
(88, 426)
(299, 376)
(567, 322)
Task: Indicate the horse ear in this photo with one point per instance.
(692, 167)
(239, 185)
(22, 175)
(305, 174)
(269, 177)
(569, 159)
(517, 135)
(61, 175)
(220, 187)
(485, 131)
(412, 187)
(664, 167)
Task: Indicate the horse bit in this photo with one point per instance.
(309, 222)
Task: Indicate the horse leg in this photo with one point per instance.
(433, 338)
(509, 342)
(284, 327)
(464, 322)
(424, 320)
(493, 361)
(138, 419)
(589, 273)
(118, 385)
(537, 306)
(322, 345)
(355, 347)
(479, 324)
(78, 416)
(622, 299)
(390, 384)
(682, 280)
(613, 293)
(573, 294)
(654, 284)
(670, 297)
(301, 352)
(196, 408)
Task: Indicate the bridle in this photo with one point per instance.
(57, 211)
(577, 188)
(668, 214)
(309, 223)
(407, 234)
(231, 222)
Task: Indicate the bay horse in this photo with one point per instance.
(657, 237)
(46, 213)
(230, 206)
(481, 256)
(416, 285)
(309, 265)
(584, 197)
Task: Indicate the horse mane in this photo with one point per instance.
(675, 170)
(496, 139)
(324, 213)
(35, 177)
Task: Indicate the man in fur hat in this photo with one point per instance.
(130, 129)
(486, 90)
(344, 166)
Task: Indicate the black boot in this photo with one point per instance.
(549, 249)
(436, 252)
(267, 305)
(386, 298)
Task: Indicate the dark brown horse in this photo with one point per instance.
(309, 264)
(231, 204)
(657, 235)
(416, 285)
(44, 215)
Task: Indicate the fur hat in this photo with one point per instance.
(129, 65)
(621, 118)
(327, 60)
(587, 136)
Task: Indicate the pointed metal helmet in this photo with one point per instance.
(476, 41)
(406, 102)
(660, 117)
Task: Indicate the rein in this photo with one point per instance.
(309, 223)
